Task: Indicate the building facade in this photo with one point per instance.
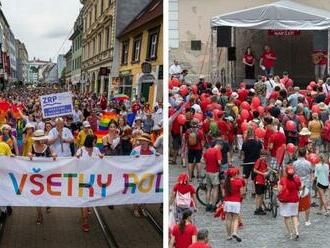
(4, 51)
(34, 73)
(48, 73)
(60, 65)
(22, 60)
(68, 68)
(12, 57)
(76, 39)
(103, 20)
(141, 45)
(190, 39)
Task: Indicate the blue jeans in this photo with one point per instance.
(269, 71)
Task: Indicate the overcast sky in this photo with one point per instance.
(42, 25)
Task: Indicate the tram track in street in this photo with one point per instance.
(110, 224)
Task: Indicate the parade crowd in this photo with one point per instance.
(135, 128)
(238, 137)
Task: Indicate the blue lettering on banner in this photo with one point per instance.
(59, 110)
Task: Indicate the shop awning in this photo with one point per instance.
(278, 15)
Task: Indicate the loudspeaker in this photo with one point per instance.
(224, 36)
(231, 53)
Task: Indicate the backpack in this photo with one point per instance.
(213, 129)
(192, 138)
(229, 111)
(325, 133)
(183, 200)
(223, 101)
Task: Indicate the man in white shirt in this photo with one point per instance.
(77, 115)
(175, 69)
(270, 84)
(60, 138)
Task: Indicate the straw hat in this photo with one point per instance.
(322, 106)
(144, 137)
(5, 126)
(39, 135)
(305, 131)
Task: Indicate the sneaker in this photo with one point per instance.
(308, 223)
(208, 207)
(259, 212)
(229, 238)
(238, 239)
(296, 237)
(314, 205)
(326, 213)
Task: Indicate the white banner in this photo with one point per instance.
(56, 105)
(73, 182)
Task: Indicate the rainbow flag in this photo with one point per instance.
(106, 118)
(99, 135)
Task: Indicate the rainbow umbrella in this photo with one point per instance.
(105, 120)
(120, 97)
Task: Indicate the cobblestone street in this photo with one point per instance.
(259, 231)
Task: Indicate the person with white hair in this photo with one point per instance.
(60, 138)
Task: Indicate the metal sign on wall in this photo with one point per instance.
(273, 32)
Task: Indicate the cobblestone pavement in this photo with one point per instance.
(61, 228)
(259, 231)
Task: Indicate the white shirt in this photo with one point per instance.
(76, 115)
(83, 153)
(197, 108)
(270, 84)
(175, 69)
(66, 134)
(326, 88)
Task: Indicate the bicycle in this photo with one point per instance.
(270, 193)
(201, 192)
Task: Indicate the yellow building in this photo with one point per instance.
(142, 41)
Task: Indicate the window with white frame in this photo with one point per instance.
(124, 53)
(153, 44)
(136, 49)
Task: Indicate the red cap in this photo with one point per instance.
(232, 171)
(183, 178)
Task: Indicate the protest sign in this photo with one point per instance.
(73, 182)
(54, 105)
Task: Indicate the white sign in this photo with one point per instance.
(73, 182)
(56, 105)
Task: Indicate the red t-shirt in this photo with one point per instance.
(260, 165)
(212, 106)
(268, 63)
(277, 139)
(199, 244)
(248, 58)
(223, 127)
(291, 189)
(184, 188)
(184, 239)
(212, 156)
(302, 141)
(242, 94)
(268, 134)
(236, 185)
(200, 137)
(176, 127)
(274, 95)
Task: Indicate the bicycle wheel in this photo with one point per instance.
(201, 195)
(274, 204)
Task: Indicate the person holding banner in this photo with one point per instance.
(40, 149)
(88, 151)
(60, 138)
(112, 139)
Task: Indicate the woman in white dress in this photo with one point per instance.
(87, 151)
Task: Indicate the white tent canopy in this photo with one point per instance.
(279, 15)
